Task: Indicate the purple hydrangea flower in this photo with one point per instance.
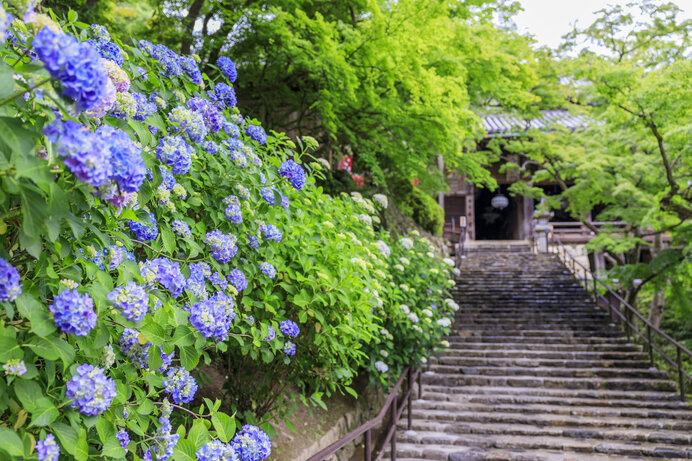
(167, 179)
(237, 279)
(91, 391)
(100, 31)
(131, 347)
(234, 213)
(14, 367)
(189, 122)
(48, 449)
(143, 232)
(289, 348)
(144, 107)
(191, 68)
(271, 232)
(167, 359)
(289, 328)
(181, 228)
(268, 269)
(210, 147)
(251, 444)
(294, 173)
(110, 50)
(232, 130)
(224, 96)
(77, 65)
(222, 245)
(213, 119)
(168, 274)
(176, 153)
(242, 192)
(132, 300)
(180, 385)
(271, 333)
(228, 68)
(257, 133)
(213, 317)
(268, 195)
(285, 203)
(252, 241)
(128, 169)
(216, 451)
(73, 312)
(219, 281)
(10, 282)
(124, 438)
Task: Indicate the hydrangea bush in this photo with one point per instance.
(149, 230)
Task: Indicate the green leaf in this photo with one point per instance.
(9, 349)
(28, 392)
(41, 322)
(52, 348)
(44, 413)
(183, 336)
(15, 138)
(6, 81)
(224, 426)
(153, 332)
(67, 436)
(110, 445)
(82, 448)
(199, 434)
(168, 239)
(10, 442)
(185, 451)
(189, 357)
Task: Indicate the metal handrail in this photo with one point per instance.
(366, 429)
(615, 313)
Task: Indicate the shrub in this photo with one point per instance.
(149, 228)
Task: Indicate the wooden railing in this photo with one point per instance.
(634, 324)
(393, 408)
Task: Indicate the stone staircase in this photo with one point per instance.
(535, 371)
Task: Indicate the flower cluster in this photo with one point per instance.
(251, 444)
(143, 232)
(212, 317)
(73, 312)
(228, 68)
(48, 449)
(222, 245)
(270, 232)
(181, 228)
(237, 279)
(289, 328)
(90, 390)
(176, 153)
(10, 286)
(268, 269)
(294, 173)
(14, 367)
(132, 300)
(189, 122)
(180, 384)
(257, 133)
(216, 451)
(137, 352)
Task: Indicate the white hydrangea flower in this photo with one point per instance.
(404, 261)
(423, 360)
(444, 343)
(434, 271)
(381, 199)
(360, 263)
(404, 287)
(406, 243)
(427, 312)
(357, 197)
(399, 267)
(384, 248)
(456, 272)
(417, 329)
(449, 262)
(445, 322)
(415, 233)
(324, 163)
(384, 353)
(366, 219)
(381, 367)
(413, 317)
(430, 254)
(328, 224)
(404, 308)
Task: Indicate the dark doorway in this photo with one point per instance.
(493, 223)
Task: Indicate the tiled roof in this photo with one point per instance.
(498, 124)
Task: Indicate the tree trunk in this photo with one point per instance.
(189, 25)
(658, 302)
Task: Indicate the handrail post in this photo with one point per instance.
(420, 385)
(395, 413)
(366, 452)
(681, 376)
(651, 347)
(409, 379)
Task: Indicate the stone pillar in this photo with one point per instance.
(543, 228)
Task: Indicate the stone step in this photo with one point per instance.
(587, 446)
(458, 343)
(549, 372)
(467, 332)
(676, 413)
(606, 394)
(535, 363)
(440, 452)
(461, 415)
(537, 355)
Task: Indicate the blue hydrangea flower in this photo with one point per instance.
(128, 168)
(210, 147)
(289, 328)
(294, 173)
(237, 279)
(164, 441)
(271, 333)
(191, 68)
(219, 281)
(124, 438)
(228, 68)
(73, 312)
(91, 391)
(285, 203)
(196, 285)
(289, 348)
(143, 232)
(268, 269)
(222, 245)
(10, 282)
(48, 449)
(232, 130)
(176, 153)
(216, 451)
(242, 192)
(131, 347)
(213, 119)
(77, 65)
(181, 228)
(213, 317)
(202, 268)
(144, 107)
(190, 122)
(252, 241)
(109, 50)
(233, 211)
(164, 55)
(268, 195)
(100, 32)
(85, 153)
(14, 367)
(224, 96)
(251, 444)
(271, 232)
(166, 360)
(132, 300)
(168, 274)
(257, 133)
(180, 384)
(167, 179)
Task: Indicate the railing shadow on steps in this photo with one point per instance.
(623, 313)
(393, 408)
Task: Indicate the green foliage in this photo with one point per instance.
(426, 211)
(335, 276)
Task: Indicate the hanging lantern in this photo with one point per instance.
(499, 201)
